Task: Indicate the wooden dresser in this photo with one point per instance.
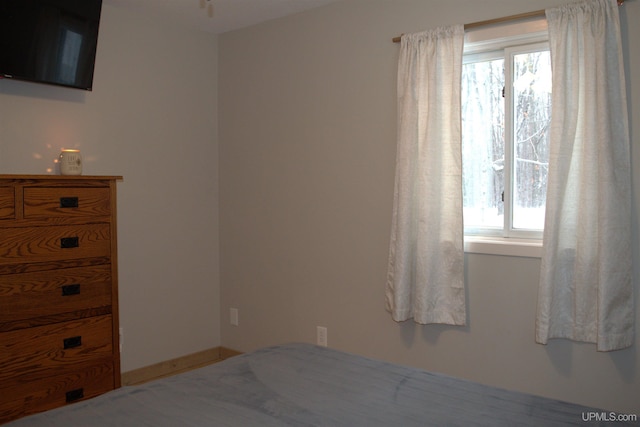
(59, 340)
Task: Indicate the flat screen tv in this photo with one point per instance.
(49, 41)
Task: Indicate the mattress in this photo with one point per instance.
(307, 385)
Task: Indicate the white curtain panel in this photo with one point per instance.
(425, 272)
(586, 291)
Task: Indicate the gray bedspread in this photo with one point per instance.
(305, 385)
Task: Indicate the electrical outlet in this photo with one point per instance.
(321, 336)
(233, 316)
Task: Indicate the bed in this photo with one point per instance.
(307, 385)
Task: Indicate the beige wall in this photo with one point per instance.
(152, 118)
(307, 152)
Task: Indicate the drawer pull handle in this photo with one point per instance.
(68, 290)
(74, 395)
(68, 202)
(72, 342)
(69, 242)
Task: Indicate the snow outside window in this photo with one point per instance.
(506, 111)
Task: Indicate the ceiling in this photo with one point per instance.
(227, 14)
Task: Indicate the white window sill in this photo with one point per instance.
(531, 248)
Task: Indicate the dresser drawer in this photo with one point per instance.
(51, 202)
(34, 353)
(7, 203)
(45, 293)
(20, 398)
(39, 244)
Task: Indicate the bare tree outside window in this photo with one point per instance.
(483, 143)
(505, 150)
(532, 115)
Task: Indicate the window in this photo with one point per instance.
(506, 112)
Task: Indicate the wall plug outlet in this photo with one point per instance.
(321, 336)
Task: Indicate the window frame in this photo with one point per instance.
(504, 41)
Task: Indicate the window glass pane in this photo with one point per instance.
(531, 119)
(483, 143)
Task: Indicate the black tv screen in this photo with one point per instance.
(49, 41)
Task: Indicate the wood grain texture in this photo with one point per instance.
(14, 268)
(55, 318)
(46, 202)
(28, 397)
(7, 206)
(32, 353)
(58, 291)
(115, 314)
(40, 244)
(45, 293)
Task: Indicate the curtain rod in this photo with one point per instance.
(519, 17)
